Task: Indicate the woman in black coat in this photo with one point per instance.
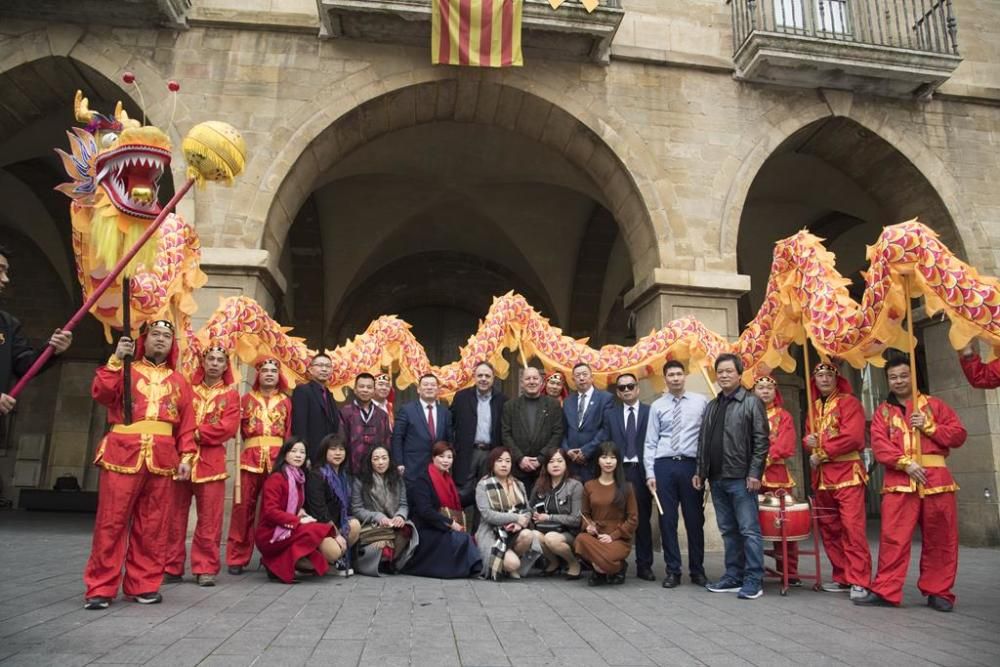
(445, 550)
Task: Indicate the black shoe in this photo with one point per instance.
(873, 600)
(795, 582)
(235, 570)
(96, 603)
(938, 603)
(597, 579)
(617, 579)
(573, 577)
(148, 598)
(699, 580)
(645, 573)
(172, 578)
(671, 580)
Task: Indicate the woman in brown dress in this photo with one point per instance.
(610, 517)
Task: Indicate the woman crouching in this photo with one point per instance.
(506, 541)
(378, 501)
(287, 537)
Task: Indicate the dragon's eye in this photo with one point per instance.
(109, 139)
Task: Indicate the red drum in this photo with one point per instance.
(797, 519)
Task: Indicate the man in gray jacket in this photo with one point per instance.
(732, 448)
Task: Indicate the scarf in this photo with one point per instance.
(338, 484)
(296, 478)
(447, 493)
(496, 494)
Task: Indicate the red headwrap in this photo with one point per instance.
(228, 379)
(391, 398)
(282, 382)
(172, 356)
(843, 386)
(552, 374)
(767, 379)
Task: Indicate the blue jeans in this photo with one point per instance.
(739, 523)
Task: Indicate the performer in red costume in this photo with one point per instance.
(266, 422)
(839, 479)
(138, 461)
(776, 475)
(918, 489)
(217, 416)
(979, 374)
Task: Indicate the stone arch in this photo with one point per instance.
(967, 231)
(365, 107)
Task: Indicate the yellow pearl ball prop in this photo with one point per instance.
(214, 151)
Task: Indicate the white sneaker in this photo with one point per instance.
(834, 587)
(859, 592)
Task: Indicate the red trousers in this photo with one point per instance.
(210, 497)
(129, 533)
(793, 559)
(938, 518)
(239, 545)
(841, 517)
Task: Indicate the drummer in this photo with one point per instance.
(776, 475)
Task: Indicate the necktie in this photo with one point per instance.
(675, 426)
(430, 423)
(580, 407)
(630, 434)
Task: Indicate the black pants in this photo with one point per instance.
(635, 474)
(673, 486)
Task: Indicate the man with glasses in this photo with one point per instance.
(627, 422)
(314, 412)
(669, 456)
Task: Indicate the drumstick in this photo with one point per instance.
(656, 497)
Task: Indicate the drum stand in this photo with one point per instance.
(769, 572)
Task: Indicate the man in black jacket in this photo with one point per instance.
(16, 355)
(475, 417)
(532, 427)
(732, 448)
(314, 412)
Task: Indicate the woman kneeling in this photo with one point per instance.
(610, 517)
(507, 544)
(379, 502)
(287, 537)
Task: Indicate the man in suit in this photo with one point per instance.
(586, 428)
(419, 424)
(532, 427)
(476, 415)
(670, 457)
(314, 412)
(627, 422)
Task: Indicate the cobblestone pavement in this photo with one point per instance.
(410, 621)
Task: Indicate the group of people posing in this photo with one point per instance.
(551, 481)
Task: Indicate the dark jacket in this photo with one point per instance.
(745, 438)
(323, 504)
(464, 417)
(16, 355)
(313, 418)
(616, 427)
(546, 436)
(411, 441)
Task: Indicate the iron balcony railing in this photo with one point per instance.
(918, 25)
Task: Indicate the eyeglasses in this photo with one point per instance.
(626, 387)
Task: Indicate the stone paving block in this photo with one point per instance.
(185, 652)
(131, 654)
(337, 652)
(42, 659)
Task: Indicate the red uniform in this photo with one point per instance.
(776, 475)
(266, 422)
(217, 415)
(839, 482)
(905, 503)
(138, 462)
(981, 375)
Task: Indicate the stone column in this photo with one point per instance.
(974, 465)
(669, 294)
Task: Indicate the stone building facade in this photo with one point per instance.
(638, 168)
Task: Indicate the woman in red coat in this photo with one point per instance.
(287, 537)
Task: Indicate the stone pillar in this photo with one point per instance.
(974, 465)
(669, 294)
(235, 272)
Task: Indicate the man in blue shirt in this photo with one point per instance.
(670, 458)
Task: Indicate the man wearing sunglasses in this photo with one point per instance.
(627, 423)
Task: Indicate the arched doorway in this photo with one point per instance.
(434, 216)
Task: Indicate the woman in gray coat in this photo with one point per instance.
(556, 502)
(506, 541)
(378, 501)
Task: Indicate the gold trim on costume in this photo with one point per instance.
(144, 427)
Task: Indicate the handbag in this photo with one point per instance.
(542, 507)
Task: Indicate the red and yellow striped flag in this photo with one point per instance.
(480, 33)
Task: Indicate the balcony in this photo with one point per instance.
(567, 33)
(898, 48)
(132, 14)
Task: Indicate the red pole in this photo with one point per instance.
(105, 284)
